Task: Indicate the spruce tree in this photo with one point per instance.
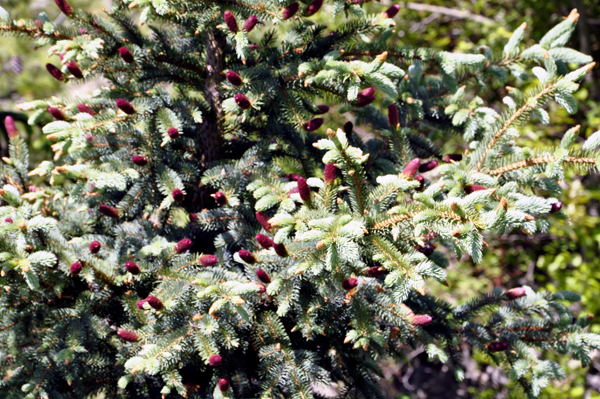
(202, 232)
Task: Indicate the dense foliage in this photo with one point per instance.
(317, 274)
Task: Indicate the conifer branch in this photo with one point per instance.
(539, 161)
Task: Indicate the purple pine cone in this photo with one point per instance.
(515, 293)
(330, 173)
(208, 260)
(264, 241)
(234, 78)
(263, 276)
(303, 189)
(154, 302)
(242, 101)
(125, 106)
(178, 195)
(85, 109)
(314, 7)
(313, 124)
(263, 219)
(183, 245)
(231, 21)
(392, 11)
(448, 158)
(349, 283)
(247, 256)
(109, 211)
(323, 109)
(280, 250)
(57, 114)
(173, 133)
(132, 268)
(139, 160)
(220, 198)
(95, 247)
(427, 166)
(555, 207)
(290, 11)
(55, 72)
(75, 268)
(126, 55)
(393, 118)
(74, 69)
(411, 168)
(250, 23)
(421, 319)
(64, 6)
(376, 271)
(497, 346)
(365, 97)
(11, 128)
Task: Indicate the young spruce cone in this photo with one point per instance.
(75, 268)
(128, 336)
(95, 247)
(234, 78)
(132, 268)
(183, 245)
(154, 302)
(264, 241)
(208, 260)
(126, 55)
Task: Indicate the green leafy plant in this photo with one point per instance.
(110, 282)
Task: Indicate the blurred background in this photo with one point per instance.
(567, 258)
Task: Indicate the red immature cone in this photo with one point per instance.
(234, 78)
(303, 189)
(82, 31)
(471, 188)
(220, 198)
(280, 250)
(126, 55)
(154, 302)
(56, 114)
(411, 168)
(365, 97)
(250, 23)
(85, 109)
(392, 11)
(128, 336)
(497, 346)
(39, 24)
(125, 106)
(247, 256)
(55, 72)
(314, 7)
(290, 11)
(263, 276)
(89, 138)
(64, 6)
(376, 271)
(208, 260)
(261, 288)
(330, 173)
(254, 47)
(242, 101)
(313, 124)
(349, 283)
(292, 177)
(173, 133)
(140, 303)
(264, 241)
(263, 219)
(515, 293)
(132, 268)
(95, 247)
(139, 160)
(421, 319)
(75, 268)
(555, 207)
(322, 109)
(8, 220)
(193, 217)
(421, 180)
(427, 249)
(109, 211)
(231, 22)
(223, 384)
(178, 195)
(348, 128)
(74, 69)
(11, 128)
(452, 157)
(393, 119)
(214, 360)
(427, 166)
(183, 245)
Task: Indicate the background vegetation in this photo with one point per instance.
(566, 258)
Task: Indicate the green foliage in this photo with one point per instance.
(344, 280)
